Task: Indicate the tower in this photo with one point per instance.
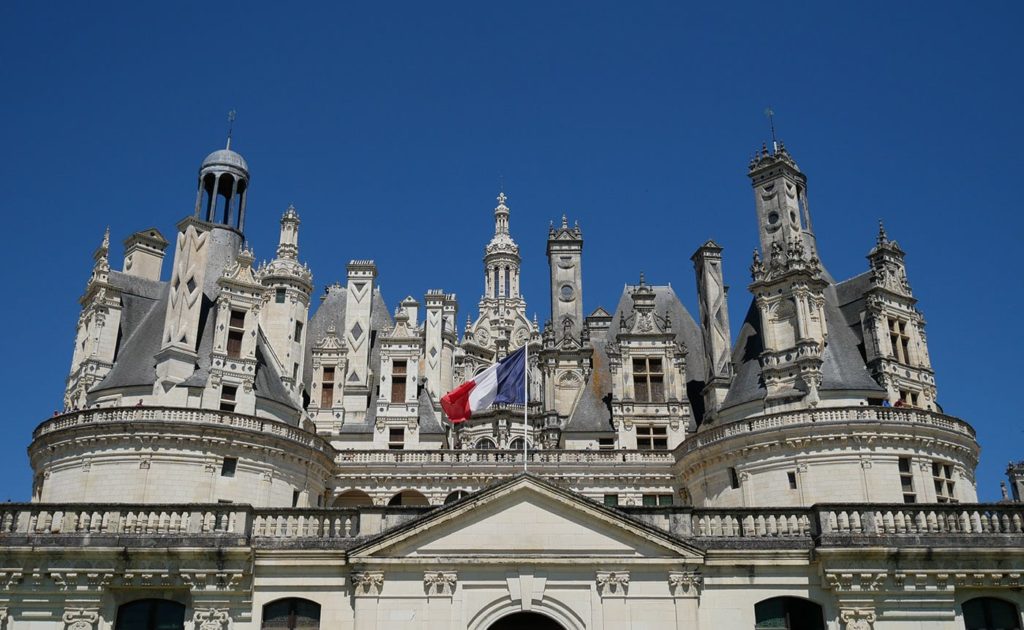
(565, 252)
(789, 284)
(714, 324)
(284, 316)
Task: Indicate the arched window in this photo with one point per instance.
(353, 498)
(989, 613)
(291, 614)
(788, 613)
(455, 496)
(485, 444)
(516, 444)
(150, 614)
(409, 497)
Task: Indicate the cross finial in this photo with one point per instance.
(231, 126)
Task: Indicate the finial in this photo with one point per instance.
(565, 221)
(231, 126)
(883, 238)
(106, 239)
(104, 248)
(642, 282)
(771, 123)
(501, 198)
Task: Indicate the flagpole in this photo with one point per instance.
(526, 402)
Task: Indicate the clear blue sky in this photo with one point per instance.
(389, 126)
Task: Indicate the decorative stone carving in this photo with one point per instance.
(80, 618)
(858, 618)
(211, 619)
(612, 583)
(439, 583)
(685, 583)
(368, 583)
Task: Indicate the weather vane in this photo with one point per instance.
(771, 123)
(231, 126)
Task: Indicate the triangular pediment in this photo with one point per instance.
(528, 518)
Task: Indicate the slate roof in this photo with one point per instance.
(592, 413)
(842, 369)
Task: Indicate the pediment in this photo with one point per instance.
(528, 518)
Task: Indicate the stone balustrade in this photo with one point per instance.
(191, 524)
(825, 415)
(183, 416)
(511, 457)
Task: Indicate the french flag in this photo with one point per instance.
(503, 382)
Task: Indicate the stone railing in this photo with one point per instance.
(917, 520)
(182, 416)
(305, 523)
(477, 456)
(121, 519)
(825, 415)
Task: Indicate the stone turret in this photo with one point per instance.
(565, 253)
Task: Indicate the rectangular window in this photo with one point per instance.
(651, 438)
(899, 340)
(907, 481)
(398, 372)
(295, 498)
(295, 371)
(605, 444)
(227, 397)
(327, 396)
(328, 374)
(611, 500)
(942, 475)
(396, 439)
(652, 500)
(227, 468)
(297, 337)
(648, 380)
(734, 479)
(792, 480)
(236, 332)
(279, 296)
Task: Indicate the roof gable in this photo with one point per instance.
(527, 518)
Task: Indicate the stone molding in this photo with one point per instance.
(367, 583)
(612, 583)
(685, 583)
(439, 583)
(874, 581)
(211, 619)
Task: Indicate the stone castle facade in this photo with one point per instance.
(234, 455)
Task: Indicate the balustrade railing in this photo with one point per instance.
(825, 415)
(917, 520)
(554, 457)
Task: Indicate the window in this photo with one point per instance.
(227, 468)
(295, 371)
(611, 500)
(150, 614)
(396, 438)
(516, 444)
(495, 282)
(652, 500)
(508, 283)
(279, 295)
(792, 480)
(909, 398)
(734, 479)
(398, 374)
(227, 397)
(648, 380)
(606, 444)
(485, 444)
(907, 481)
(989, 613)
(295, 498)
(291, 614)
(942, 475)
(651, 438)
(327, 389)
(297, 337)
(899, 340)
(455, 496)
(788, 613)
(236, 331)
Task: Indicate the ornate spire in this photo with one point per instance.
(883, 238)
(103, 250)
(501, 215)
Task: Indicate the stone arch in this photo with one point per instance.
(792, 612)
(550, 607)
(352, 498)
(456, 496)
(290, 612)
(990, 612)
(526, 620)
(485, 444)
(409, 497)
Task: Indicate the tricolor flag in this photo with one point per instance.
(503, 382)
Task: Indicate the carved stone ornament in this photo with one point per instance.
(685, 583)
(858, 619)
(211, 619)
(368, 583)
(439, 583)
(80, 618)
(612, 583)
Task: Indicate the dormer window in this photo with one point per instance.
(398, 373)
(899, 340)
(648, 380)
(236, 332)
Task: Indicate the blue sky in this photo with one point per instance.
(389, 126)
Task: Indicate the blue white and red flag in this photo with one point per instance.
(502, 383)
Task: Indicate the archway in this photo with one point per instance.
(353, 498)
(526, 621)
(409, 497)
